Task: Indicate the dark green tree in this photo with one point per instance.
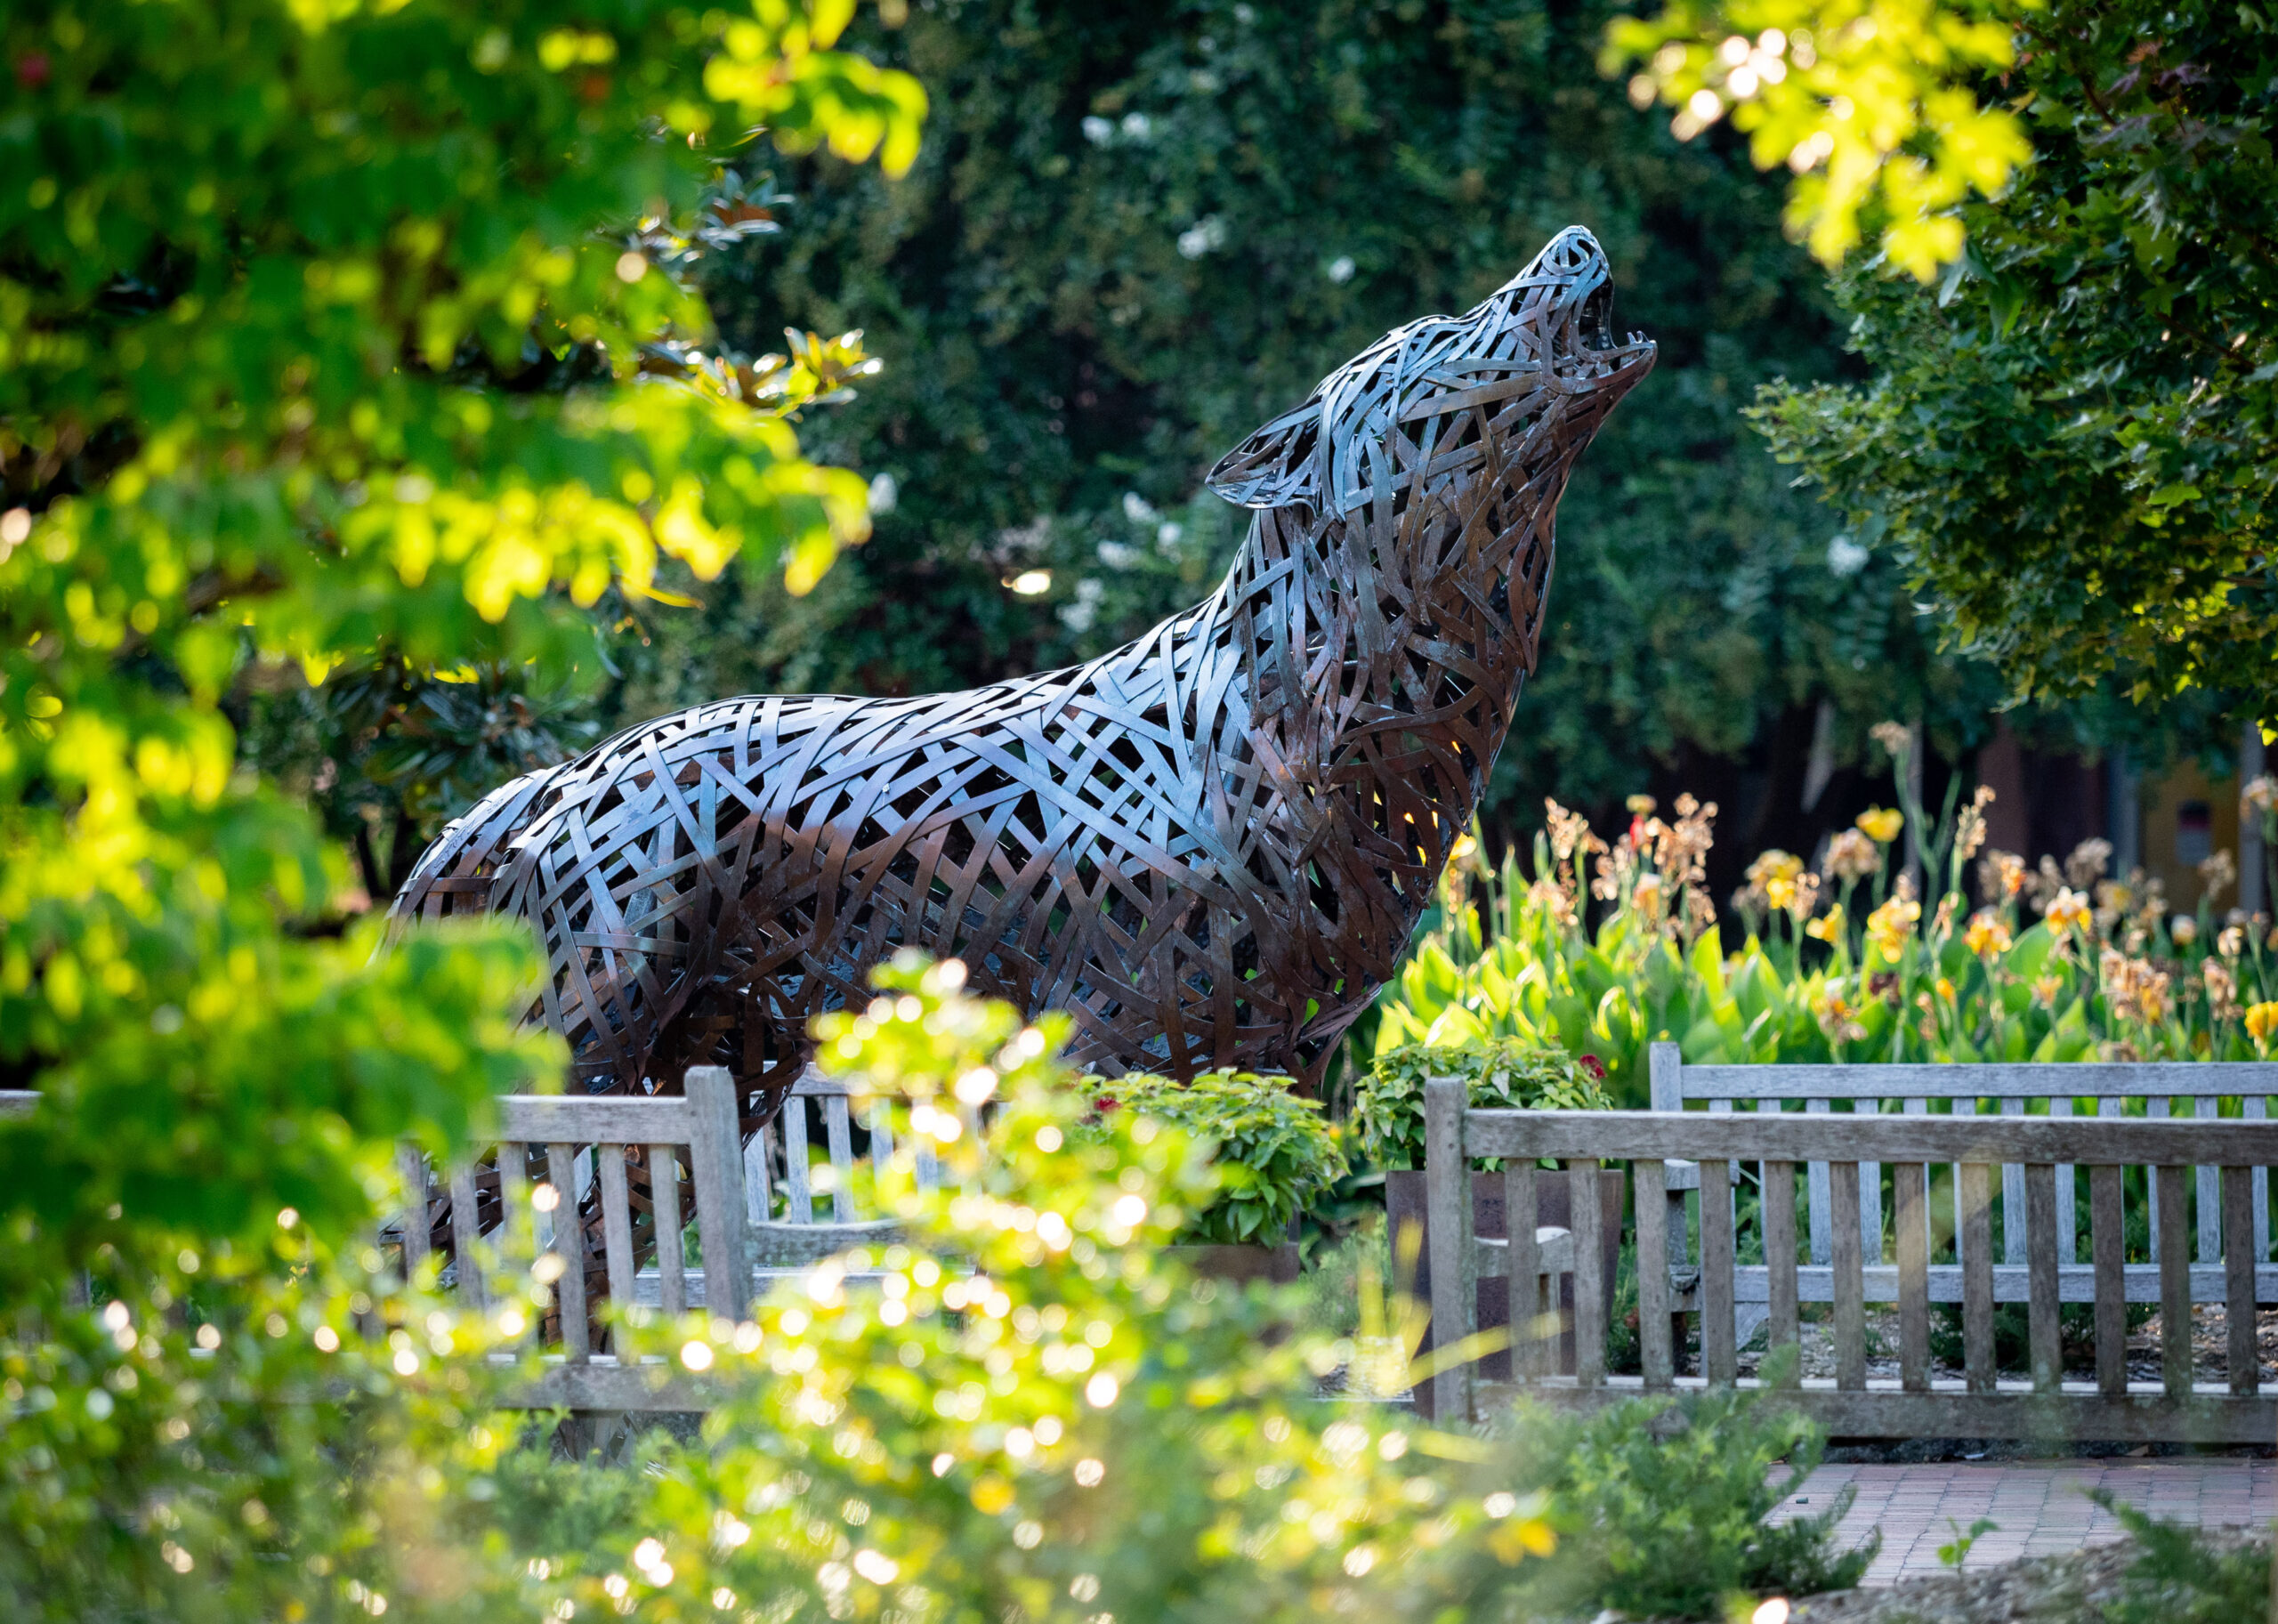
(2068, 440)
(1136, 233)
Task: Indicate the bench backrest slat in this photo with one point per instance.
(1994, 1080)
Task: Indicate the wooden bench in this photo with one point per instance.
(745, 1243)
(556, 1151)
(557, 1154)
(1909, 1146)
(779, 1159)
(2194, 1090)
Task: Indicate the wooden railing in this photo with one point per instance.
(1980, 1404)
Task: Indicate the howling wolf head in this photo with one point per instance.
(1546, 337)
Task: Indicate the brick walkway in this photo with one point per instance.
(2042, 1507)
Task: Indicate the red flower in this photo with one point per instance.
(1595, 1067)
(32, 69)
(1105, 1103)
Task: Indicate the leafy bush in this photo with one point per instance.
(1504, 1073)
(1668, 1498)
(1274, 1152)
(1028, 1412)
(322, 328)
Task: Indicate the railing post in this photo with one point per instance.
(1665, 1066)
(1447, 1198)
(716, 1158)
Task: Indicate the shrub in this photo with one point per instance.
(2184, 1578)
(1503, 1073)
(1274, 1152)
(1668, 1500)
(319, 331)
(1030, 1413)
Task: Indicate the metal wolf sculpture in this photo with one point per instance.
(1210, 846)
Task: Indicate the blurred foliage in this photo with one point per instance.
(1504, 1073)
(1874, 105)
(1033, 1408)
(1677, 1512)
(1133, 236)
(385, 752)
(322, 332)
(1274, 1155)
(2056, 964)
(2068, 441)
(2183, 1576)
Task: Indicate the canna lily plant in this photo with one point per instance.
(1604, 948)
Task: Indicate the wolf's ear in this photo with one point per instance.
(1276, 465)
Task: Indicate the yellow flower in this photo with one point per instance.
(1986, 935)
(1780, 891)
(1945, 990)
(2261, 1021)
(2069, 911)
(1892, 925)
(1828, 927)
(1881, 824)
(1774, 865)
(2045, 989)
(1851, 857)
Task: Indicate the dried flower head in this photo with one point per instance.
(2001, 875)
(1851, 857)
(2134, 989)
(2222, 990)
(2086, 862)
(1836, 1017)
(2219, 873)
(1569, 833)
(2043, 885)
(1969, 827)
(1895, 737)
(2259, 797)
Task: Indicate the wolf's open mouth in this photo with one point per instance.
(1598, 350)
(1597, 319)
